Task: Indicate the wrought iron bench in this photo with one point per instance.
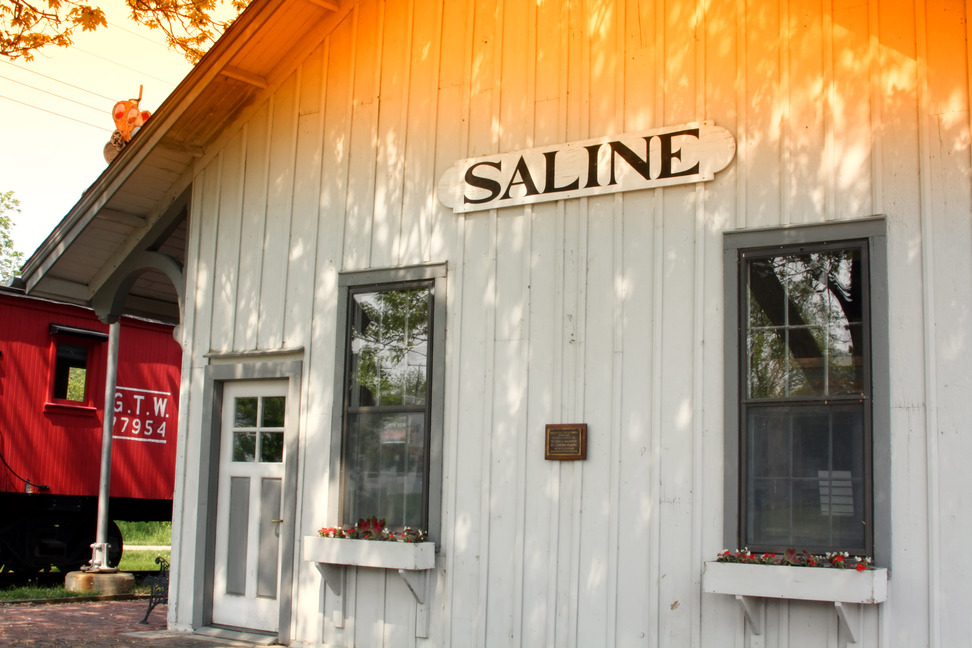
(159, 586)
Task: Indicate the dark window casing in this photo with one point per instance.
(75, 361)
(807, 457)
(386, 441)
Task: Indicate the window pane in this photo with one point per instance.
(804, 333)
(246, 412)
(76, 382)
(70, 372)
(806, 476)
(846, 366)
(273, 411)
(244, 446)
(389, 347)
(768, 363)
(271, 447)
(385, 468)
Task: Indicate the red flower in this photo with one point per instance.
(372, 524)
(861, 566)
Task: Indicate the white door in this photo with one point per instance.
(248, 519)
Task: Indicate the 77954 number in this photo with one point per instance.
(140, 413)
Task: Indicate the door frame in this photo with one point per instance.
(216, 377)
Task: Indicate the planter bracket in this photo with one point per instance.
(851, 620)
(752, 608)
(416, 581)
(334, 577)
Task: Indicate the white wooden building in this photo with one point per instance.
(644, 178)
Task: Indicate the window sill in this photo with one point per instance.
(79, 409)
(751, 585)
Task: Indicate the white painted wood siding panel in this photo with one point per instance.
(850, 163)
(469, 540)
(948, 243)
(761, 151)
(362, 143)
(228, 259)
(419, 206)
(280, 200)
(206, 186)
(391, 133)
(253, 232)
(302, 259)
(725, 46)
(511, 532)
(185, 485)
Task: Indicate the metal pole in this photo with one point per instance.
(99, 550)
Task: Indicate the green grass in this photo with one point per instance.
(33, 592)
(134, 534)
(140, 560)
(131, 561)
(146, 533)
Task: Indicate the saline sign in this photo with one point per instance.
(654, 158)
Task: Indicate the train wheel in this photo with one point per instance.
(79, 550)
(116, 545)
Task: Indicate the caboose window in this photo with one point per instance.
(74, 354)
(70, 372)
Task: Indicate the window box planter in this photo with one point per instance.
(751, 585)
(801, 583)
(332, 556)
(370, 553)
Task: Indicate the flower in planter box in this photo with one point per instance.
(796, 558)
(372, 529)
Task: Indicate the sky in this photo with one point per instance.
(55, 115)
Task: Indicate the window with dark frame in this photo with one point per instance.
(387, 409)
(70, 372)
(805, 446)
(75, 355)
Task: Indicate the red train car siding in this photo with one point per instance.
(58, 443)
(146, 412)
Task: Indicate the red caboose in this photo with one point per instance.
(52, 381)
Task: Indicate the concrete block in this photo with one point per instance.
(100, 583)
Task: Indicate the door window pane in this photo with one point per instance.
(271, 447)
(244, 446)
(246, 412)
(273, 411)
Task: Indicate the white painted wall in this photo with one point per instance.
(605, 310)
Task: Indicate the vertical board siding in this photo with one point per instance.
(602, 310)
(58, 445)
(228, 260)
(279, 217)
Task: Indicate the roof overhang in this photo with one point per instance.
(129, 230)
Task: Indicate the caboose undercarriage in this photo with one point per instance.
(43, 531)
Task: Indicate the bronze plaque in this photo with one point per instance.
(566, 442)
